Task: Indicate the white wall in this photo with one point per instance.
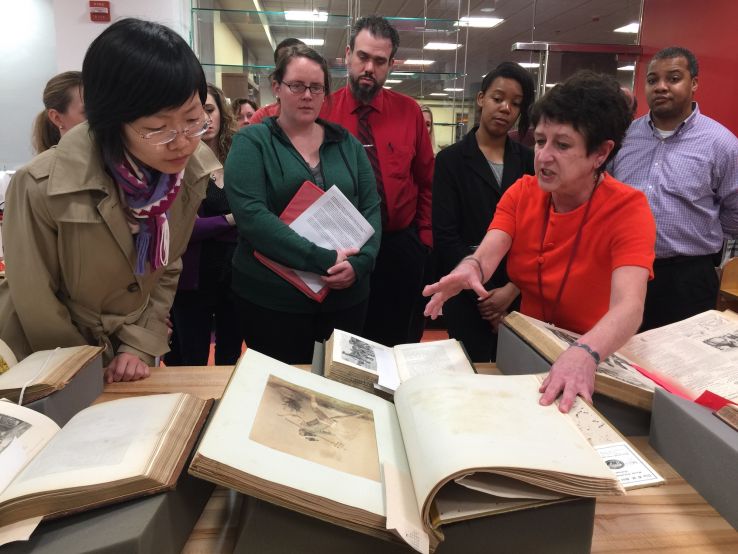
(40, 38)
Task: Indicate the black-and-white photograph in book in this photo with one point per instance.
(724, 343)
(10, 428)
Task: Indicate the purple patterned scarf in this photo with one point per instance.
(148, 195)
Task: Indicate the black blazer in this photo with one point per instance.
(465, 195)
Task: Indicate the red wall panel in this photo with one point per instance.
(707, 28)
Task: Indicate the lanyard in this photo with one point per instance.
(575, 247)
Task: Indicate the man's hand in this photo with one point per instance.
(571, 375)
(126, 367)
(494, 307)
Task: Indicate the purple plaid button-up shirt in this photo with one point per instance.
(690, 180)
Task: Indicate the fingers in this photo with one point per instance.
(434, 305)
(126, 367)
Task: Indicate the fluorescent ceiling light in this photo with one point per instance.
(529, 65)
(630, 67)
(306, 16)
(416, 62)
(630, 28)
(479, 22)
(388, 88)
(442, 46)
(402, 73)
(454, 89)
(438, 94)
(313, 41)
(393, 81)
(551, 85)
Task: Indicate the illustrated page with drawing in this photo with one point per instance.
(142, 439)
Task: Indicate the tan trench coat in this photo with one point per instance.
(70, 256)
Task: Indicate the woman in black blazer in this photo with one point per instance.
(470, 177)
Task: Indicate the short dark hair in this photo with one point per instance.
(511, 70)
(133, 69)
(302, 51)
(236, 104)
(679, 52)
(377, 26)
(286, 43)
(592, 104)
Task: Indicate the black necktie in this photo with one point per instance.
(367, 139)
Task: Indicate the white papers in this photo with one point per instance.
(331, 222)
(630, 469)
(19, 531)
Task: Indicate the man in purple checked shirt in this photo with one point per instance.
(687, 166)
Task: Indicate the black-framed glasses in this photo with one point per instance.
(165, 136)
(300, 88)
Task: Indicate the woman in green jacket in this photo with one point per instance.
(266, 166)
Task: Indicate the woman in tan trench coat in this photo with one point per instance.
(94, 228)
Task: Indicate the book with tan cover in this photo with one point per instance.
(107, 453)
(397, 471)
(43, 372)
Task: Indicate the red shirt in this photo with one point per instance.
(404, 151)
(265, 111)
(619, 231)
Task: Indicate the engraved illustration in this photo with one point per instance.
(724, 343)
(316, 427)
(360, 353)
(10, 428)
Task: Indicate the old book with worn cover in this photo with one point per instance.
(43, 372)
(688, 357)
(107, 453)
(451, 447)
(368, 365)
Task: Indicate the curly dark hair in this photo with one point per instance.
(227, 122)
(592, 104)
(511, 70)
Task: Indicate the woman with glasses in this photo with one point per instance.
(265, 168)
(203, 303)
(94, 228)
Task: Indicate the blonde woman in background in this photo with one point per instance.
(428, 118)
(63, 109)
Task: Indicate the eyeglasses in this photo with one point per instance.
(299, 88)
(165, 136)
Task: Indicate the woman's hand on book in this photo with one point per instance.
(572, 375)
(126, 367)
(341, 275)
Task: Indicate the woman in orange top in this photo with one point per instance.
(580, 244)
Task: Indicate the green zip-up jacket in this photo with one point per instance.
(262, 174)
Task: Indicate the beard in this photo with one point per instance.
(364, 93)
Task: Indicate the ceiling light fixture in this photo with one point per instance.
(438, 94)
(454, 89)
(302, 15)
(529, 65)
(416, 62)
(630, 28)
(630, 67)
(442, 46)
(313, 41)
(393, 81)
(479, 22)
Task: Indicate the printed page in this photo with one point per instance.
(105, 442)
(31, 370)
(454, 423)
(367, 355)
(332, 222)
(443, 356)
(309, 434)
(697, 354)
(23, 433)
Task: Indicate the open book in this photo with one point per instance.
(450, 447)
(688, 357)
(42, 372)
(107, 453)
(367, 365)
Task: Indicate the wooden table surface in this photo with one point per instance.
(669, 518)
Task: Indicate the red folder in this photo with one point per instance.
(303, 199)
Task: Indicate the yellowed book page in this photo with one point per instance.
(23, 433)
(29, 370)
(698, 354)
(454, 423)
(7, 358)
(443, 356)
(105, 442)
(305, 432)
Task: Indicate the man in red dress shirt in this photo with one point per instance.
(392, 129)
